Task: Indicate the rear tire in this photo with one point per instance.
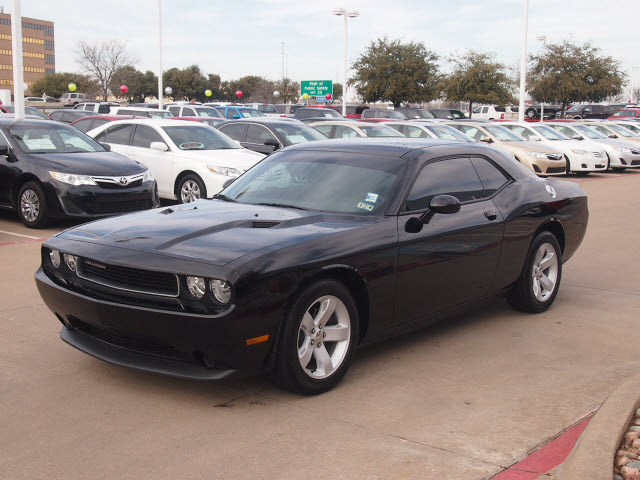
(318, 339)
(32, 205)
(538, 285)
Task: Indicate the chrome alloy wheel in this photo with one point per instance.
(190, 192)
(323, 337)
(545, 272)
(30, 205)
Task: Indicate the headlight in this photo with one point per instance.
(537, 154)
(226, 171)
(221, 290)
(54, 255)
(71, 261)
(148, 176)
(622, 149)
(196, 286)
(72, 179)
(581, 152)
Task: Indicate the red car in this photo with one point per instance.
(85, 124)
(626, 113)
(211, 121)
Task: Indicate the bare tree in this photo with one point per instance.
(102, 59)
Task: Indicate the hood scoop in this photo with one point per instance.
(263, 223)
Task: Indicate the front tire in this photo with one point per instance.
(32, 205)
(318, 339)
(191, 188)
(538, 285)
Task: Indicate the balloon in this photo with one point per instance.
(208, 93)
(168, 90)
(124, 88)
(239, 93)
(25, 86)
(305, 96)
(328, 96)
(72, 87)
(276, 94)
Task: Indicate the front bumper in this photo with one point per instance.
(583, 163)
(545, 166)
(203, 347)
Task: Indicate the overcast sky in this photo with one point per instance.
(243, 37)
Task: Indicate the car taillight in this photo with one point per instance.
(502, 116)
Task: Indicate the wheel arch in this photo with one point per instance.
(554, 227)
(179, 178)
(15, 189)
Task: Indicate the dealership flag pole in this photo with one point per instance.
(523, 60)
(18, 76)
(160, 92)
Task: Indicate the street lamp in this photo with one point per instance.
(523, 58)
(160, 93)
(342, 12)
(543, 39)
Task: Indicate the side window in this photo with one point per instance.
(57, 115)
(99, 121)
(477, 110)
(235, 131)
(231, 112)
(455, 177)
(414, 132)
(303, 114)
(562, 129)
(101, 137)
(258, 134)
(523, 132)
(472, 132)
(83, 125)
(104, 108)
(119, 134)
(490, 176)
(384, 115)
(345, 132)
(485, 109)
(324, 129)
(69, 117)
(600, 129)
(187, 112)
(597, 109)
(174, 111)
(144, 135)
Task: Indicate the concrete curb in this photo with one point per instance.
(593, 455)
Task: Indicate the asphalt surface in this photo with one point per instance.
(460, 400)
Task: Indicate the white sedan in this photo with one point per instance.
(188, 160)
(582, 156)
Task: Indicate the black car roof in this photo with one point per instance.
(265, 120)
(394, 146)
(9, 119)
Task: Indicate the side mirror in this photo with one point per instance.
(613, 135)
(533, 138)
(449, 117)
(4, 150)
(272, 143)
(106, 146)
(578, 137)
(238, 143)
(486, 140)
(236, 116)
(443, 204)
(228, 182)
(159, 146)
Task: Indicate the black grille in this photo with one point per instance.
(71, 207)
(117, 186)
(635, 162)
(264, 224)
(554, 156)
(555, 170)
(106, 207)
(128, 343)
(132, 279)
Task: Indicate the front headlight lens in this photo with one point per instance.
(221, 289)
(148, 176)
(72, 179)
(622, 149)
(537, 154)
(197, 286)
(226, 171)
(54, 255)
(581, 152)
(71, 261)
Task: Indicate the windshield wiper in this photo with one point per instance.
(220, 196)
(283, 205)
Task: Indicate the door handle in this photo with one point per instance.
(491, 214)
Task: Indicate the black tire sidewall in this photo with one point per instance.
(195, 178)
(288, 372)
(42, 219)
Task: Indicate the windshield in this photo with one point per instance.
(52, 139)
(267, 109)
(633, 128)
(353, 184)
(624, 132)
(324, 112)
(251, 112)
(380, 131)
(197, 137)
(420, 113)
(448, 133)
(397, 115)
(550, 134)
(588, 132)
(292, 134)
(157, 113)
(625, 113)
(504, 134)
(208, 112)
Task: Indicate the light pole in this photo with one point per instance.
(543, 39)
(342, 12)
(523, 60)
(160, 92)
(18, 75)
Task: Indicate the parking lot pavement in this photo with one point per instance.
(460, 400)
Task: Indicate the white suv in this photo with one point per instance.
(493, 112)
(72, 99)
(97, 107)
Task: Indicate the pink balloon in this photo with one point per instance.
(239, 93)
(124, 88)
(328, 96)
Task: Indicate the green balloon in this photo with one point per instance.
(72, 87)
(208, 93)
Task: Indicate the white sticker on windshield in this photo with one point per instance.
(296, 139)
(365, 206)
(371, 197)
(39, 144)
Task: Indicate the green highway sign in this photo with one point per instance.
(316, 88)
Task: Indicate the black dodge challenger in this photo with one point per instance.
(318, 248)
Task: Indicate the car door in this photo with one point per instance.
(175, 110)
(325, 130)
(117, 136)
(160, 163)
(453, 259)
(255, 138)
(235, 131)
(9, 172)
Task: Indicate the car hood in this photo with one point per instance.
(572, 144)
(613, 142)
(89, 163)
(527, 147)
(212, 231)
(239, 158)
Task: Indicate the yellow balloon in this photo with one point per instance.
(305, 96)
(72, 87)
(208, 93)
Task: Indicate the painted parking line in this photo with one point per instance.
(19, 235)
(9, 238)
(547, 457)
